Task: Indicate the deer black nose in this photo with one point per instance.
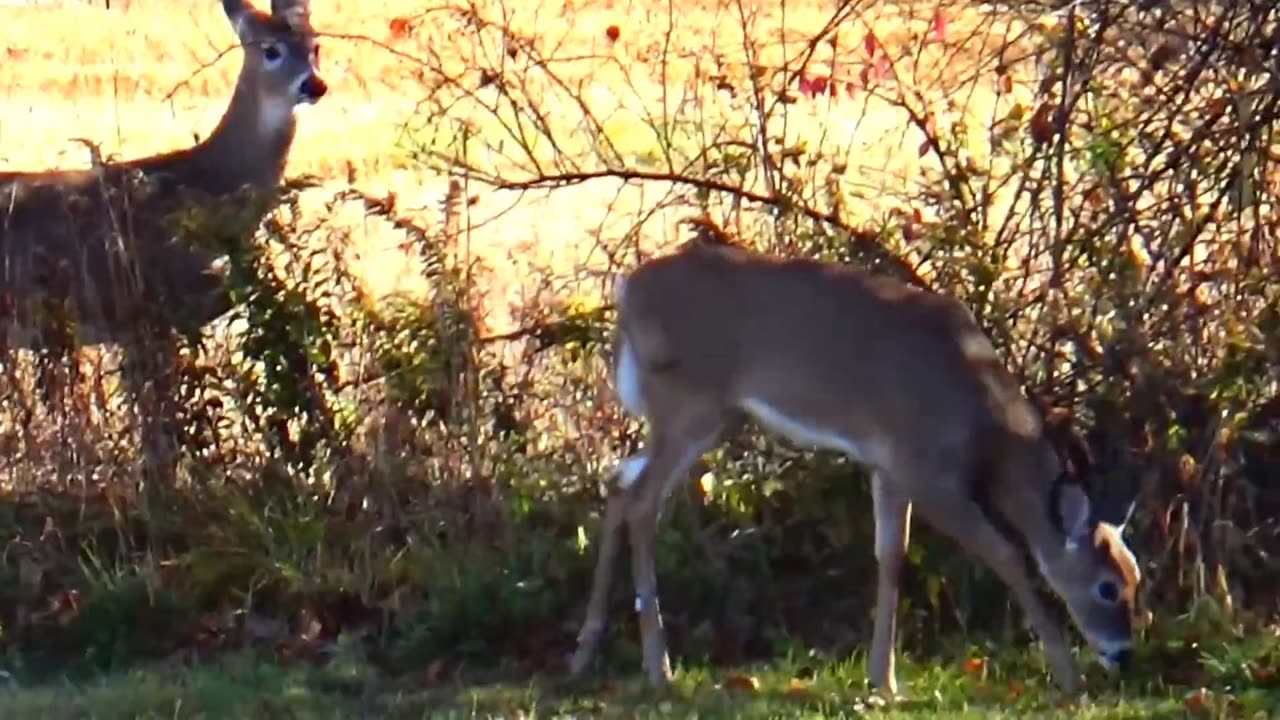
(313, 88)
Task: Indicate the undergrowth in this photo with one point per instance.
(392, 483)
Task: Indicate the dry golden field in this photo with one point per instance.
(150, 75)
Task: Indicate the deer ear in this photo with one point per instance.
(1075, 511)
(1128, 515)
(295, 12)
(238, 13)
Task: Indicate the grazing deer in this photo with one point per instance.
(899, 379)
(87, 255)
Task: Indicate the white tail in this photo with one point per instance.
(895, 377)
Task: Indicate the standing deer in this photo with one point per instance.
(897, 378)
(94, 256)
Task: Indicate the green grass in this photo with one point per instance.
(248, 686)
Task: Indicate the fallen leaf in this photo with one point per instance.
(743, 683)
(1197, 700)
(799, 691)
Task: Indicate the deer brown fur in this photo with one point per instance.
(898, 378)
(100, 255)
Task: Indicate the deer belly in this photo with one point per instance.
(810, 434)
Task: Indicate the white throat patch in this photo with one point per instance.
(274, 115)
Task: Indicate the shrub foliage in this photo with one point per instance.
(391, 471)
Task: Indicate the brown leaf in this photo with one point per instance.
(1197, 701)
(1041, 125)
(613, 32)
(742, 683)
(1162, 55)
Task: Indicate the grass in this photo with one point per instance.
(245, 686)
(1200, 664)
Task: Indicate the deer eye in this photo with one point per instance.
(272, 53)
(1107, 592)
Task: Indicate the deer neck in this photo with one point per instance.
(1028, 503)
(248, 147)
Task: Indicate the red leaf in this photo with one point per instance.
(939, 25)
(871, 43)
(812, 86)
(924, 148)
(613, 32)
(399, 27)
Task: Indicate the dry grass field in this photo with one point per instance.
(146, 76)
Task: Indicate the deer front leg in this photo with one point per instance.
(962, 520)
(893, 533)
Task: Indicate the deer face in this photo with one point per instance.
(282, 55)
(1096, 575)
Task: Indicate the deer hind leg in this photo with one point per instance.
(643, 483)
(893, 533)
(610, 547)
(963, 521)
